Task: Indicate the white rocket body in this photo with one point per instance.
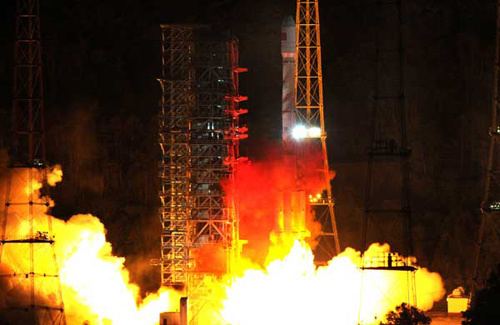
(292, 204)
(288, 58)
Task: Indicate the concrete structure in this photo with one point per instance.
(170, 318)
(457, 301)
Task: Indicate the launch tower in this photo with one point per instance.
(304, 132)
(199, 134)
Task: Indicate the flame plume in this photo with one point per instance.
(96, 287)
(277, 282)
(293, 291)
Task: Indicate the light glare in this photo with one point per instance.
(301, 132)
(314, 132)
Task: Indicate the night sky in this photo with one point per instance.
(102, 57)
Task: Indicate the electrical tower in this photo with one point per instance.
(309, 122)
(199, 134)
(26, 238)
(487, 250)
(387, 216)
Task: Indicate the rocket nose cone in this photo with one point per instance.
(288, 22)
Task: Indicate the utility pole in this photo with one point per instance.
(26, 229)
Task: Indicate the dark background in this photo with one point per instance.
(102, 57)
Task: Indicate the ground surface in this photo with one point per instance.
(443, 318)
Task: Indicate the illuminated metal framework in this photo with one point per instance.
(309, 116)
(488, 244)
(40, 274)
(199, 138)
(387, 198)
(175, 167)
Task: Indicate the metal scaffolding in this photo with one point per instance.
(26, 238)
(177, 84)
(199, 138)
(309, 114)
(387, 198)
(488, 240)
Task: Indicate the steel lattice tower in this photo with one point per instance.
(177, 99)
(487, 249)
(309, 115)
(199, 137)
(26, 239)
(387, 199)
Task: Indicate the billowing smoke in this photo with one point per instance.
(259, 185)
(273, 278)
(279, 282)
(293, 291)
(95, 285)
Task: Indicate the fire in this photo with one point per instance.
(293, 291)
(93, 277)
(285, 286)
(95, 285)
(277, 282)
(54, 175)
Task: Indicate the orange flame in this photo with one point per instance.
(293, 291)
(96, 287)
(287, 289)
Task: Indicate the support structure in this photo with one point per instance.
(488, 240)
(387, 198)
(26, 239)
(309, 122)
(177, 99)
(199, 138)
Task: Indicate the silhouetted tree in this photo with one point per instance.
(484, 307)
(406, 315)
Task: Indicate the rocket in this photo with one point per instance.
(288, 59)
(291, 221)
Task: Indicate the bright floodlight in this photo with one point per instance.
(301, 132)
(314, 132)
